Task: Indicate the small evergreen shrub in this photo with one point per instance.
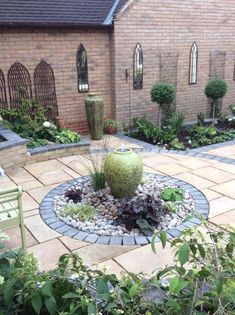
(216, 89)
(164, 94)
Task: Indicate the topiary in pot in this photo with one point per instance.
(164, 94)
(110, 126)
(215, 90)
(123, 172)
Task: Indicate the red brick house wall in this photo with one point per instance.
(162, 26)
(59, 49)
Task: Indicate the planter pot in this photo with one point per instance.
(123, 172)
(61, 122)
(95, 115)
(110, 130)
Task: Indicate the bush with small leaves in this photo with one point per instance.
(216, 89)
(164, 94)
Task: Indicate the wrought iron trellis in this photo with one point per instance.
(168, 68)
(82, 69)
(19, 84)
(3, 94)
(45, 91)
(217, 64)
(138, 68)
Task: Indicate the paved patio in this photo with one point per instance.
(214, 178)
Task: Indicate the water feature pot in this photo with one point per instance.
(123, 172)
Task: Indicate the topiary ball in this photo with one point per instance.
(216, 89)
(163, 93)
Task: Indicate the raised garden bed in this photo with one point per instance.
(14, 151)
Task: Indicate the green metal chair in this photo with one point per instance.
(11, 211)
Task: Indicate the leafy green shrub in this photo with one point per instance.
(164, 94)
(147, 130)
(172, 194)
(216, 89)
(176, 122)
(67, 136)
(81, 212)
(29, 121)
(232, 108)
(201, 281)
(200, 119)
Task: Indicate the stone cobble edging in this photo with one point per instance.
(48, 215)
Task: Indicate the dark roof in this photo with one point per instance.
(71, 13)
(119, 6)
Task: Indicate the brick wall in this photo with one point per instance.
(163, 26)
(59, 49)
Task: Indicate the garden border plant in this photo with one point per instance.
(200, 281)
(30, 121)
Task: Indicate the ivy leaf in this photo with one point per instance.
(233, 295)
(219, 286)
(232, 237)
(102, 286)
(133, 290)
(91, 309)
(181, 286)
(9, 291)
(183, 254)
(163, 238)
(51, 306)
(201, 251)
(71, 295)
(229, 249)
(110, 306)
(173, 284)
(47, 289)
(153, 246)
(36, 302)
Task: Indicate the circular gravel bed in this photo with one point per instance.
(106, 227)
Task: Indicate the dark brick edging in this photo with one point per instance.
(12, 139)
(198, 152)
(84, 142)
(48, 215)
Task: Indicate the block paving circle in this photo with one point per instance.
(48, 215)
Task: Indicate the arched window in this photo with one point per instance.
(45, 92)
(82, 69)
(193, 64)
(19, 84)
(3, 94)
(138, 68)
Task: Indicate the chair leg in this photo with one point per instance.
(23, 237)
(22, 227)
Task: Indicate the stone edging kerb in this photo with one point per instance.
(12, 139)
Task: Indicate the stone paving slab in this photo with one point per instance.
(135, 259)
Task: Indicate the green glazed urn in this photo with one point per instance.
(94, 105)
(123, 172)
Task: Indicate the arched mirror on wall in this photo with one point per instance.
(193, 64)
(138, 68)
(82, 69)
